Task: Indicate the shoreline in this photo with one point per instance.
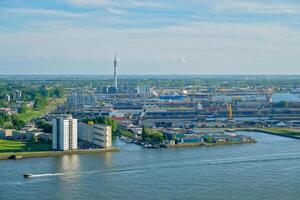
(270, 132)
(40, 154)
(206, 144)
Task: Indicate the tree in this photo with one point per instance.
(154, 137)
(44, 91)
(34, 139)
(39, 101)
(110, 122)
(23, 108)
(17, 122)
(42, 124)
(58, 92)
(145, 134)
(157, 137)
(103, 120)
(4, 118)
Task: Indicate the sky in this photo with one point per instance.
(150, 36)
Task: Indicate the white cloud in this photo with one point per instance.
(90, 2)
(257, 7)
(116, 11)
(229, 48)
(123, 3)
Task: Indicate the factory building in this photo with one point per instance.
(169, 119)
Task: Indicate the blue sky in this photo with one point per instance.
(150, 37)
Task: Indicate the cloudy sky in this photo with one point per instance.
(150, 37)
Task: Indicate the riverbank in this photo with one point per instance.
(214, 142)
(37, 154)
(202, 144)
(283, 132)
(23, 146)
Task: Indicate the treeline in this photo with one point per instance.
(102, 120)
(39, 96)
(11, 121)
(45, 126)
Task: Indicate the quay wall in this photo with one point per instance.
(37, 154)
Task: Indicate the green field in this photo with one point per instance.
(20, 146)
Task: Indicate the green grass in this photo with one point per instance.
(20, 146)
(126, 133)
(285, 131)
(50, 106)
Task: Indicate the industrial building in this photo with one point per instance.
(169, 118)
(64, 133)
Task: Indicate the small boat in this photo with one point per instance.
(27, 175)
(148, 146)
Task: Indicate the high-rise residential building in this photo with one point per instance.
(7, 98)
(17, 95)
(79, 100)
(64, 133)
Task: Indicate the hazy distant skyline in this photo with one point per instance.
(150, 37)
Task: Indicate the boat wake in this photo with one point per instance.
(180, 164)
(50, 174)
(86, 172)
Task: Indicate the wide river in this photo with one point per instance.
(269, 169)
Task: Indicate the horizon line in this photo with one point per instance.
(46, 74)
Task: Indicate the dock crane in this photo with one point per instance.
(229, 110)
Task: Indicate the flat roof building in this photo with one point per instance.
(64, 133)
(97, 134)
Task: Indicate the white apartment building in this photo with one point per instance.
(98, 134)
(64, 133)
(77, 100)
(103, 135)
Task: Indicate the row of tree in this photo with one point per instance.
(102, 120)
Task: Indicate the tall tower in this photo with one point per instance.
(115, 72)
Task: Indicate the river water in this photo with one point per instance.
(268, 169)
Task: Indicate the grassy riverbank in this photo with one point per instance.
(7, 146)
(37, 154)
(286, 132)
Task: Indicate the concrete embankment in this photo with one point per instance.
(19, 155)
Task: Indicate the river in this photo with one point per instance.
(268, 169)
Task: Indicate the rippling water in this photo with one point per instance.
(266, 170)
